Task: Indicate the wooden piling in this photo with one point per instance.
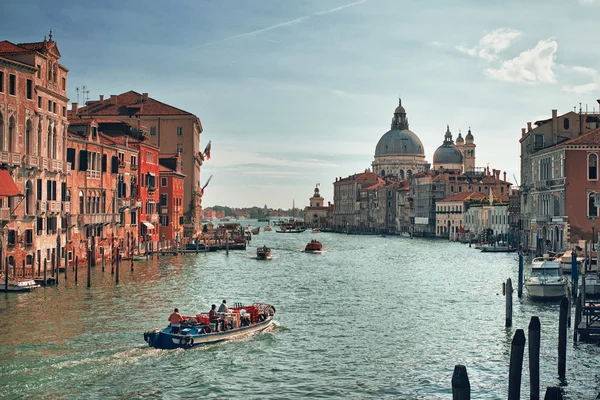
(14, 268)
(461, 388)
(23, 269)
(227, 245)
(118, 260)
(6, 274)
(516, 365)
(53, 267)
(577, 318)
(39, 261)
(553, 393)
(574, 273)
(89, 268)
(103, 260)
(112, 260)
(45, 272)
(131, 261)
(509, 302)
(66, 262)
(520, 285)
(76, 266)
(562, 338)
(534, 358)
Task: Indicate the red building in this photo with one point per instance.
(171, 200)
(33, 127)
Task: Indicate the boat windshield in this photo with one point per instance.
(545, 272)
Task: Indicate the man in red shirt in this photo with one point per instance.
(175, 319)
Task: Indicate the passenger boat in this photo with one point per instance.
(18, 284)
(198, 330)
(313, 246)
(498, 249)
(263, 253)
(546, 281)
(291, 228)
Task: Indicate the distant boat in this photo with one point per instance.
(316, 230)
(313, 246)
(268, 228)
(18, 284)
(263, 220)
(263, 253)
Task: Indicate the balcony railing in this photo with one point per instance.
(134, 167)
(68, 168)
(164, 210)
(32, 161)
(57, 165)
(137, 204)
(123, 203)
(96, 219)
(66, 206)
(41, 206)
(92, 174)
(45, 163)
(7, 157)
(54, 206)
(151, 188)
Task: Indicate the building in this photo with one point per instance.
(450, 213)
(33, 128)
(171, 200)
(514, 217)
(315, 215)
(546, 134)
(169, 128)
(347, 201)
(399, 152)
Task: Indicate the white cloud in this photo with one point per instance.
(587, 71)
(588, 1)
(587, 87)
(531, 66)
(491, 44)
(236, 158)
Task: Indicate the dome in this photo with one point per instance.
(400, 110)
(469, 137)
(399, 142)
(459, 139)
(447, 154)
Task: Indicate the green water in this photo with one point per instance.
(373, 317)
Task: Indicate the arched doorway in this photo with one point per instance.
(11, 134)
(29, 206)
(28, 137)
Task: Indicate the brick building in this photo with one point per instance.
(171, 200)
(33, 128)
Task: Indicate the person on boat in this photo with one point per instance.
(213, 317)
(223, 307)
(175, 319)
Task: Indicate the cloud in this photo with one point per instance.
(491, 44)
(586, 2)
(531, 66)
(225, 159)
(587, 87)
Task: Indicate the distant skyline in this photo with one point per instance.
(294, 93)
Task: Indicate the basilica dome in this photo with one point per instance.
(448, 155)
(399, 143)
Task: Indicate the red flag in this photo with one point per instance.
(207, 150)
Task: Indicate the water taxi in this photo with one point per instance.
(546, 281)
(17, 284)
(313, 246)
(240, 321)
(263, 253)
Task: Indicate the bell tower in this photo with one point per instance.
(316, 200)
(469, 153)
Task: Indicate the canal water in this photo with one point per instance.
(373, 317)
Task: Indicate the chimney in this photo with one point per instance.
(144, 97)
(554, 126)
(522, 131)
(113, 99)
(504, 176)
(494, 172)
(74, 107)
(529, 126)
(497, 173)
(101, 98)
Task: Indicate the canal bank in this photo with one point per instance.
(372, 317)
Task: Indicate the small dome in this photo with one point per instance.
(469, 136)
(399, 142)
(459, 139)
(447, 154)
(399, 109)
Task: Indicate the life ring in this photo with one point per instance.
(182, 341)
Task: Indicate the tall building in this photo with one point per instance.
(399, 152)
(316, 213)
(33, 131)
(171, 129)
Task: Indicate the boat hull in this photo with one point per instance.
(546, 291)
(169, 341)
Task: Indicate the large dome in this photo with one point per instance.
(447, 154)
(399, 142)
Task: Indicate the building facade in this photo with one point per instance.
(315, 215)
(171, 201)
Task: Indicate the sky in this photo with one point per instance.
(298, 92)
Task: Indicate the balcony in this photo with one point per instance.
(151, 189)
(93, 174)
(137, 204)
(123, 203)
(10, 158)
(5, 214)
(45, 163)
(41, 207)
(32, 161)
(57, 165)
(164, 210)
(134, 167)
(154, 218)
(97, 219)
(540, 218)
(66, 207)
(54, 206)
(68, 168)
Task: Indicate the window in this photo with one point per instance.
(39, 71)
(163, 200)
(12, 84)
(54, 108)
(539, 141)
(566, 123)
(64, 83)
(64, 111)
(164, 220)
(133, 161)
(152, 131)
(133, 217)
(104, 162)
(592, 209)
(592, 166)
(180, 147)
(1, 81)
(29, 89)
(29, 238)
(39, 189)
(49, 105)
(180, 131)
(12, 237)
(40, 225)
(163, 181)
(121, 160)
(39, 101)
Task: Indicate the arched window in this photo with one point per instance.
(81, 203)
(103, 202)
(54, 142)
(592, 209)
(451, 189)
(11, 134)
(49, 140)
(68, 195)
(1, 132)
(592, 166)
(460, 188)
(401, 175)
(39, 138)
(566, 123)
(408, 174)
(383, 172)
(29, 259)
(29, 206)
(28, 137)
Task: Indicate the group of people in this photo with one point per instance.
(176, 319)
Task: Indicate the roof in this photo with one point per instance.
(363, 176)
(464, 196)
(8, 188)
(591, 138)
(8, 47)
(130, 103)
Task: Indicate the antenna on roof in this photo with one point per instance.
(77, 91)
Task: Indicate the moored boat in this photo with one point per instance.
(546, 281)
(313, 246)
(566, 261)
(316, 230)
(268, 228)
(198, 330)
(263, 253)
(18, 284)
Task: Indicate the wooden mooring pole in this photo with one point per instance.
(516, 365)
(562, 338)
(577, 318)
(45, 272)
(89, 268)
(76, 266)
(23, 268)
(574, 274)
(534, 358)
(6, 274)
(509, 302)
(520, 286)
(118, 260)
(102, 255)
(461, 388)
(553, 393)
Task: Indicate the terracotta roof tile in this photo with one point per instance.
(589, 138)
(130, 103)
(466, 196)
(8, 47)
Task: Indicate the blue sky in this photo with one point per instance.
(294, 93)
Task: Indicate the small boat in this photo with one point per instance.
(18, 284)
(405, 234)
(263, 253)
(566, 260)
(291, 228)
(268, 228)
(255, 231)
(497, 249)
(240, 321)
(313, 246)
(316, 230)
(546, 282)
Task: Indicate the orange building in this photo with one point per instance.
(171, 200)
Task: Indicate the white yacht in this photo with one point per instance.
(546, 281)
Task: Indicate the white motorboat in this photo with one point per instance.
(18, 284)
(546, 281)
(592, 284)
(565, 261)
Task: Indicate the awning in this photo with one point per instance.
(151, 173)
(148, 225)
(7, 185)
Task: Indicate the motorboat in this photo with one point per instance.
(316, 230)
(17, 284)
(538, 261)
(268, 228)
(194, 331)
(566, 260)
(405, 234)
(263, 253)
(255, 231)
(291, 228)
(313, 246)
(546, 281)
(498, 248)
